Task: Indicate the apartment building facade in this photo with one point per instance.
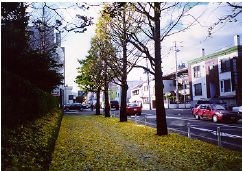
(218, 75)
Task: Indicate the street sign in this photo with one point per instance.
(55, 92)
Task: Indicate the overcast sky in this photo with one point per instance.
(193, 40)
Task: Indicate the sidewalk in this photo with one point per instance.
(89, 142)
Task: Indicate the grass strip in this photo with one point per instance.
(89, 142)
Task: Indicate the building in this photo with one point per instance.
(115, 90)
(141, 93)
(218, 75)
(183, 85)
(45, 41)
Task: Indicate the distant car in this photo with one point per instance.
(215, 112)
(86, 106)
(133, 108)
(114, 104)
(238, 110)
(66, 106)
(217, 101)
(74, 106)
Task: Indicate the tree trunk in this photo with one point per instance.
(124, 86)
(160, 109)
(107, 106)
(98, 102)
(106, 99)
(123, 114)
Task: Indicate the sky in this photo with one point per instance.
(189, 43)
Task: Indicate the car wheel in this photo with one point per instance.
(139, 113)
(197, 117)
(215, 118)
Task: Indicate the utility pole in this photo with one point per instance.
(177, 95)
(184, 91)
(148, 80)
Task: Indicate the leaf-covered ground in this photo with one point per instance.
(96, 143)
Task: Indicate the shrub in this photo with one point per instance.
(22, 101)
(29, 146)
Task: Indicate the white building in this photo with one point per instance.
(218, 75)
(199, 80)
(143, 92)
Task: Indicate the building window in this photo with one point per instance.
(196, 72)
(145, 88)
(225, 65)
(198, 89)
(225, 86)
(135, 92)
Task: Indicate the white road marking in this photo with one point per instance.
(215, 132)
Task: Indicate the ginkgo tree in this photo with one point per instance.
(95, 73)
(157, 22)
(119, 23)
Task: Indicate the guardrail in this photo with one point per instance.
(189, 133)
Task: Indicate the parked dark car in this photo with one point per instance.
(133, 108)
(238, 109)
(74, 106)
(86, 105)
(214, 112)
(114, 104)
(218, 101)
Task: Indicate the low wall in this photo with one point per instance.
(171, 106)
(179, 106)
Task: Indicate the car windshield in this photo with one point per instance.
(132, 104)
(114, 102)
(218, 107)
(76, 104)
(202, 102)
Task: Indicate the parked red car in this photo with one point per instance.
(214, 112)
(133, 108)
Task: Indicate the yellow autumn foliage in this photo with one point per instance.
(96, 143)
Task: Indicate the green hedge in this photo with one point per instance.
(22, 101)
(29, 146)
